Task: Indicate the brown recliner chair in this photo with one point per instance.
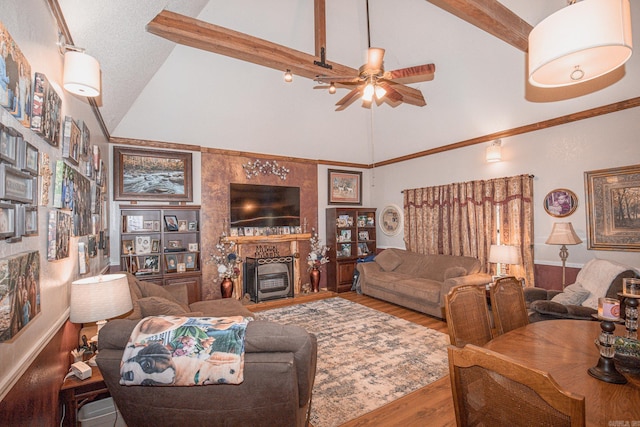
(546, 304)
(279, 372)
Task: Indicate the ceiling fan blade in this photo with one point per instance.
(409, 95)
(338, 79)
(392, 94)
(348, 99)
(418, 73)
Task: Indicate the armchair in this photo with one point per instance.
(598, 278)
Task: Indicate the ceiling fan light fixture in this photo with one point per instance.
(375, 57)
(368, 92)
(288, 77)
(380, 92)
(332, 88)
(580, 42)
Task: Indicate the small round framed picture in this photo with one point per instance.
(391, 220)
(560, 202)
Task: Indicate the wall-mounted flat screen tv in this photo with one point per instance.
(264, 205)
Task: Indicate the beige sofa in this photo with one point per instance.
(416, 281)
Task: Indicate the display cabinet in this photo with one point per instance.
(351, 235)
(161, 244)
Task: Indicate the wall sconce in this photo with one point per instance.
(494, 152)
(580, 42)
(288, 77)
(81, 71)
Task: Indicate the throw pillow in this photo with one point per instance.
(572, 295)
(388, 260)
(158, 306)
(453, 272)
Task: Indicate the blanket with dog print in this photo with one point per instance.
(185, 351)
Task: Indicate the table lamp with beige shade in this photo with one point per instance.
(98, 298)
(563, 234)
(503, 254)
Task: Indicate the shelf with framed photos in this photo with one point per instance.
(161, 244)
(351, 235)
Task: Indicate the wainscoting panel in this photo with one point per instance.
(34, 399)
(550, 276)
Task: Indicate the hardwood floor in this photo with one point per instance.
(428, 406)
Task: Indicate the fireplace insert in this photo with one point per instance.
(268, 278)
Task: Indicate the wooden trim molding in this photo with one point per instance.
(154, 144)
(569, 118)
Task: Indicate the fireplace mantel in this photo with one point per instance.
(292, 239)
(274, 238)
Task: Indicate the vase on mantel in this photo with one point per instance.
(314, 278)
(226, 288)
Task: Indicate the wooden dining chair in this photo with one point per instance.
(494, 390)
(467, 315)
(507, 304)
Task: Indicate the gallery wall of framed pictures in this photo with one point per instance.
(29, 170)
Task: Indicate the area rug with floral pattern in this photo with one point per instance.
(366, 358)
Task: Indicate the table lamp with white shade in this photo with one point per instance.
(98, 298)
(503, 254)
(563, 234)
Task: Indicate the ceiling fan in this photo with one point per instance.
(374, 83)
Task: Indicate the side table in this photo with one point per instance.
(75, 393)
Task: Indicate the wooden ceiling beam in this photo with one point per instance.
(490, 16)
(192, 32)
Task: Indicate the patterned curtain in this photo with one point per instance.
(460, 219)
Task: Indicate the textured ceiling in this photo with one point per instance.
(156, 90)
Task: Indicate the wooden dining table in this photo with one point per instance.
(566, 350)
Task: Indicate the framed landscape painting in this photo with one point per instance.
(613, 206)
(152, 175)
(345, 187)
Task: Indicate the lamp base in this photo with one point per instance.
(606, 371)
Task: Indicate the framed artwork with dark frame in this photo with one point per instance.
(345, 187)
(171, 222)
(151, 264)
(167, 175)
(560, 202)
(613, 196)
(171, 262)
(7, 220)
(17, 185)
(31, 159)
(8, 144)
(31, 221)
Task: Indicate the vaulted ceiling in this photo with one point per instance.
(155, 89)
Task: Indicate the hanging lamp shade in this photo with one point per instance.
(580, 42)
(81, 74)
